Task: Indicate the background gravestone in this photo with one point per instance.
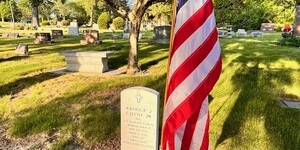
(73, 29)
(162, 34)
(139, 119)
(267, 27)
(90, 37)
(42, 38)
(22, 49)
(57, 34)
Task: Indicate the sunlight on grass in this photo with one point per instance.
(244, 109)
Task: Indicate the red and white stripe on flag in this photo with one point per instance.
(194, 68)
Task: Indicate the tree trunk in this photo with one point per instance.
(12, 13)
(2, 19)
(296, 26)
(35, 16)
(91, 16)
(135, 17)
(132, 66)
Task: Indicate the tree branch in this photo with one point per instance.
(118, 8)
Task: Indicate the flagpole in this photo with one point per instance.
(169, 59)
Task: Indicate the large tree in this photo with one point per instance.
(35, 12)
(297, 19)
(134, 15)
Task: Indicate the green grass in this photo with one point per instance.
(245, 112)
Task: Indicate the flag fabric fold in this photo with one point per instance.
(194, 68)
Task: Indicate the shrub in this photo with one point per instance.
(65, 22)
(118, 23)
(103, 20)
(290, 41)
(278, 27)
(18, 27)
(44, 23)
(53, 22)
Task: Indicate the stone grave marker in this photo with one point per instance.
(73, 29)
(222, 33)
(87, 61)
(291, 103)
(57, 34)
(139, 119)
(90, 37)
(10, 35)
(42, 38)
(267, 27)
(22, 49)
(73, 24)
(257, 34)
(162, 34)
(95, 26)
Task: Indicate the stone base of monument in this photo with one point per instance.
(90, 39)
(37, 41)
(22, 49)
(85, 42)
(10, 35)
(90, 61)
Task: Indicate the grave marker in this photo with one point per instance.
(162, 34)
(267, 27)
(22, 49)
(57, 34)
(42, 38)
(139, 119)
(90, 37)
(73, 28)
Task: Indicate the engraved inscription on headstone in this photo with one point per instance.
(57, 34)
(139, 119)
(267, 27)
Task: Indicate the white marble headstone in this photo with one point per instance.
(73, 31)
(139, 119)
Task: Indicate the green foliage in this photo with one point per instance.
(61, 9)
(103, 20)
(65, 22)
(19, 27)
(119, 23)
(44, 23)
(46, 9)
(78, 13)
(53, 22)
(250, 14)
(160, 12)
(290, 41)
(4, 10)
(25, 9)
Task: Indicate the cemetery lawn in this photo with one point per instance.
(70, 111)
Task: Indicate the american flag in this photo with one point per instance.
(194, 68)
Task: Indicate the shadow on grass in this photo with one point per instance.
(86, 114)
(13, 58)
(259, 89)
(23, 83)
(148, 64)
